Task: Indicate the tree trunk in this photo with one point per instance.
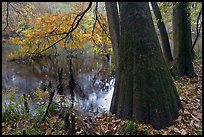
(183, 54)
(163, 33)
(114, 27)
(145, 91)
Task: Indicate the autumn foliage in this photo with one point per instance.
(43, 31)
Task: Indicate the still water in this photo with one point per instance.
(93, 77)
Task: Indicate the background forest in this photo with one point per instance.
(102, 68)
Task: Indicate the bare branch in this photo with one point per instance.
(80, 15)
(53, 44)
(7, 16)
(197, 29)
(95, 10)
(94, 41)
(17, 10)
(14, 8)
(92, 33)
(98, 20)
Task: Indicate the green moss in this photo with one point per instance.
(179, 89)
(197, 60)
(130, 128)
(29, 131)
(199, 131)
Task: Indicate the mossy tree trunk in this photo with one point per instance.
(163, 33)
(183, 53)
(145, 91)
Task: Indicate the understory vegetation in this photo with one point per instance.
(16, 120)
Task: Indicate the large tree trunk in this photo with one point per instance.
(145, 91)
(163, 33)
(114, 27)
(183, 54)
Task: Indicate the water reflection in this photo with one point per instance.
(96, 103)
(93, 79)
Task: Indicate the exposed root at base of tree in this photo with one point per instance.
(188, 123)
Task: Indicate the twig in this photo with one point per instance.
(15, 9)
(19, 12)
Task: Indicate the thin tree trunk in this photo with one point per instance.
(72, 84)
(115, 32)
(145, 91)
(163, 33)
(197, 29)
(60, 88)
(114, 27)
(183, 54)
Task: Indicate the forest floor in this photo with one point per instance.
(188, 123)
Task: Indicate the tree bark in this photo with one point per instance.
(114, 27)
(163, 34)
(183, 54)
(145, 91)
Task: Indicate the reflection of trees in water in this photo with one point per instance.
(12, 78)
(90, 75)
(7, 78)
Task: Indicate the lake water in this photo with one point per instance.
(93, 79)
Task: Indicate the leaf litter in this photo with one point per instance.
(189, 121)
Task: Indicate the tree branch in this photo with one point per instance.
(92, 33)
(73, 27)
(197, 29)
(80, 15)
(7, 15)
(98, 20)
(18, 11)
(95, 10)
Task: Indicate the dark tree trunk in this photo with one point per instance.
(145, 91)
(52, 93)
(26, 103)
(163, 33)
(60, 88)
(114, 27)
(183, 54)
(71, 83)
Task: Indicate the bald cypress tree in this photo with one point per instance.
(183, 53)
(145, 91)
